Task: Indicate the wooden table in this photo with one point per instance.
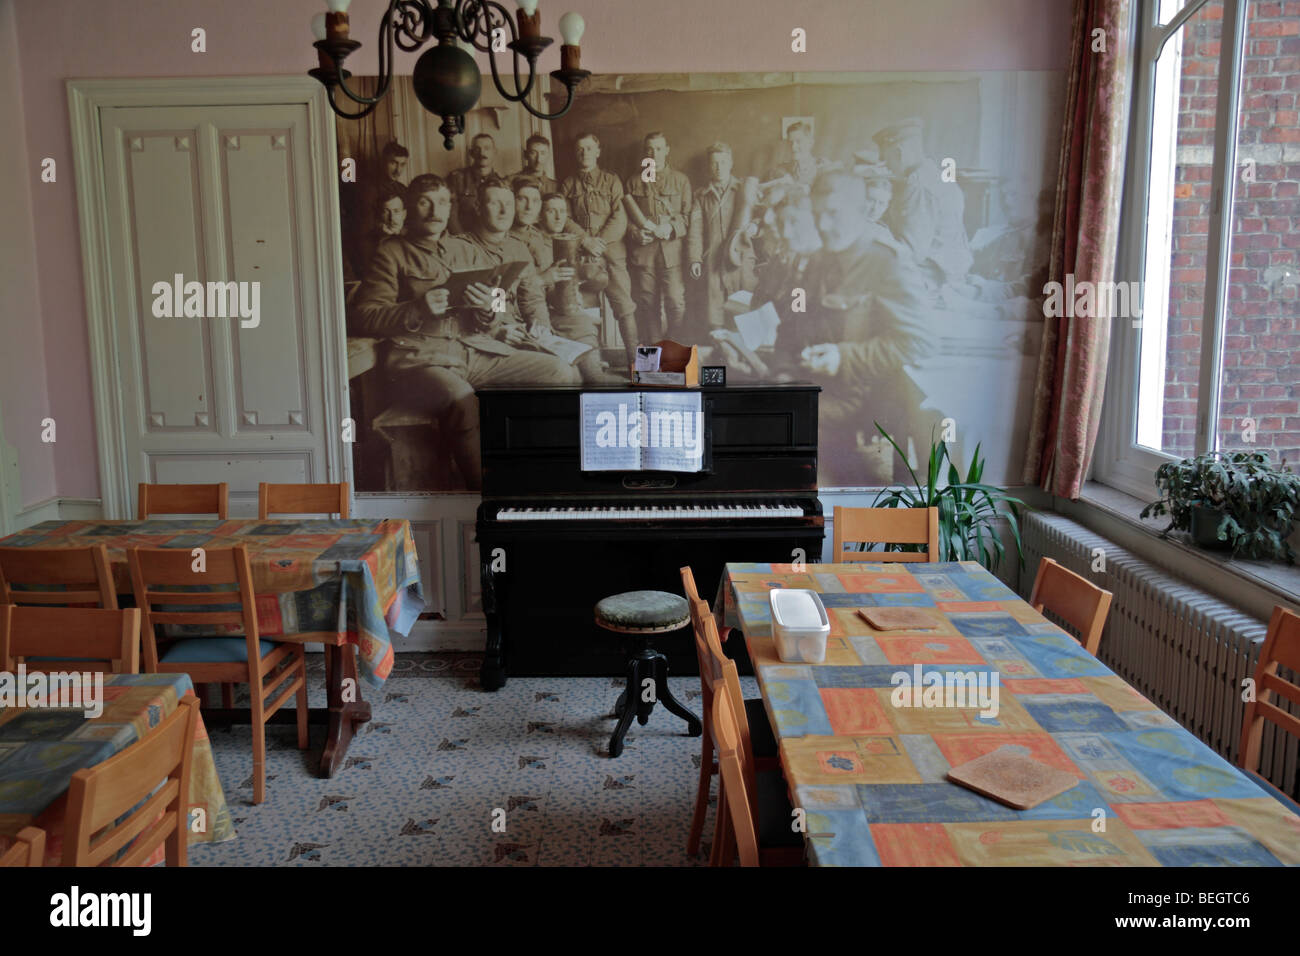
(868, 764)
(40, 750)
(345, 583)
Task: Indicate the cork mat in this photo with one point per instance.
(1019, 781)
(899, 618)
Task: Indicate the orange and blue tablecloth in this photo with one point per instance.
(867, 761)
(335, 581)
(42, 747)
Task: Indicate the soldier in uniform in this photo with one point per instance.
(464, 183)
(436, 354)
(568, 318)
(714, 212)
(537, 152)
(926, 212)
(803, 167)
(389, 216)
(595, 200)
(659, 218)
(868, 315)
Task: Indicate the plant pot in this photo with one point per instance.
(1204, 526)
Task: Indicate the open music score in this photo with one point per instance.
(642, 431)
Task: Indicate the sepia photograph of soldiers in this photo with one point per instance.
(841, 270)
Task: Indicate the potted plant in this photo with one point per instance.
(1238, 500)
(969, 511)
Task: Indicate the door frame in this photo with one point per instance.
(85, 100)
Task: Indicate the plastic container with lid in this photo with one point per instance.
(799, 625)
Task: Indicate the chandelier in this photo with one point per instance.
(447, 80)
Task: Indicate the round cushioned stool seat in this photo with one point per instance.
(643, 612)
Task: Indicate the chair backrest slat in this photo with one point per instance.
(885, 526)
(327, 499)
(1072, 598)
(57, 576)
(1281, 650)
(82, 638)
(99, 796)
(183, 500)
(156, 568)
(736, 783)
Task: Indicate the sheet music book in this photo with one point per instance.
(642, 431)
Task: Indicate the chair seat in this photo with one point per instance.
(212, 650)
(643, 612)
(761, 736)
(1273, 792)
(775, 812)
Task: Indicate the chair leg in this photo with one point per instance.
(721, 831)
(228, 696)
(256, 693)
(701, 794)
(300, 665)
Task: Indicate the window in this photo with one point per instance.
(1212, 231)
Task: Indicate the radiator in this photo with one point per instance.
(1186, 651)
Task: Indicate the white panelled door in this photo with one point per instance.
(216, 278)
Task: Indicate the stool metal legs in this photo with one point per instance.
(647, 665)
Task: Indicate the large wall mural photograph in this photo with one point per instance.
(882, 235)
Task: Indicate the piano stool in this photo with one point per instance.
(643, 614)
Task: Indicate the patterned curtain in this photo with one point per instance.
(1085, 233)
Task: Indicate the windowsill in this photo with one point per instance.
(1215, 571)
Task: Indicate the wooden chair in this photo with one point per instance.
(98, 798)
(28, 850)
(762, 740)
(765, 791)
(1074, 599)
(184, 500)
(754, 812)
(731, 767)
(887, 526)
(1281, 649)
(73, 638)
(302, 499)
(263, 665)
(57, 576)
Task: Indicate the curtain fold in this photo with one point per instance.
(1072, 364)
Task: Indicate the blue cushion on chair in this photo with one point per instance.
(1273, 792)
(213, 650)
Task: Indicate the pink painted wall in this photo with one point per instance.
(62, 39)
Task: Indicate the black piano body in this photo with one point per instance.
(553, 539)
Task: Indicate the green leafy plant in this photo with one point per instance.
(1255, 500)
(969, 511)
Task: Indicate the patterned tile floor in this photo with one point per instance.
(441, 760)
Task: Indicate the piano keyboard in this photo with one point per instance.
(707, 511)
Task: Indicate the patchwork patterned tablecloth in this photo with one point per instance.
(866, 756)
(41, 748)
(327, 580)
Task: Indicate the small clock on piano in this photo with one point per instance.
(713, 376)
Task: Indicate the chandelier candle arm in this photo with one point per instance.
(447, 80)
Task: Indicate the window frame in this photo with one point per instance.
(1119, 461)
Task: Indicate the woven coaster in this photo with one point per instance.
(899, 618)
(1019, 781)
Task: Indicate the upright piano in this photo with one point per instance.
(554, 539)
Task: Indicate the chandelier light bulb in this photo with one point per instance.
(318, 26)
(338, 6)
(572, 26)
(528, 6)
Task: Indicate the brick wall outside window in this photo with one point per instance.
(1261, 355)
